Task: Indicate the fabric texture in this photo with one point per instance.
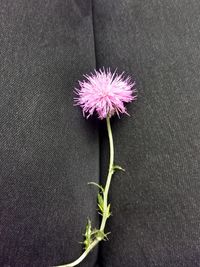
(156, 203)
(48, 152)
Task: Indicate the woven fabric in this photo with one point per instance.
(156, 203)
(48, 152)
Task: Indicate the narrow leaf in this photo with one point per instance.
(108, 213)
(101, 187)
(117, 167)
(88, 233)
(100, 202)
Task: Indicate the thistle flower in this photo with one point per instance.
(105, 93)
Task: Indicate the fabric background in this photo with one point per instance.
(156, 202)
(48, 152)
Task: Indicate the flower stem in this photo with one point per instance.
(106, 207)
(110, 173)
(82, 257)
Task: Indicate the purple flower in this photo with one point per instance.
(105, 93)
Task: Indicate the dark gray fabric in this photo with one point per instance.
(48, 152)
(156, 203)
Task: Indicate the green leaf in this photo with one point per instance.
(108, 213)
(101, 187)
(117, 167)
(88, 235)
(100, 202)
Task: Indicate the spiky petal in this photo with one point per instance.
(105, 93)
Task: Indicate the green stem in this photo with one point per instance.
(82, 257)
(110, 173)
(105, 199)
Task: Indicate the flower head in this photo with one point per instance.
(105, 93)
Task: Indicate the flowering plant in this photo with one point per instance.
(105, 94)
